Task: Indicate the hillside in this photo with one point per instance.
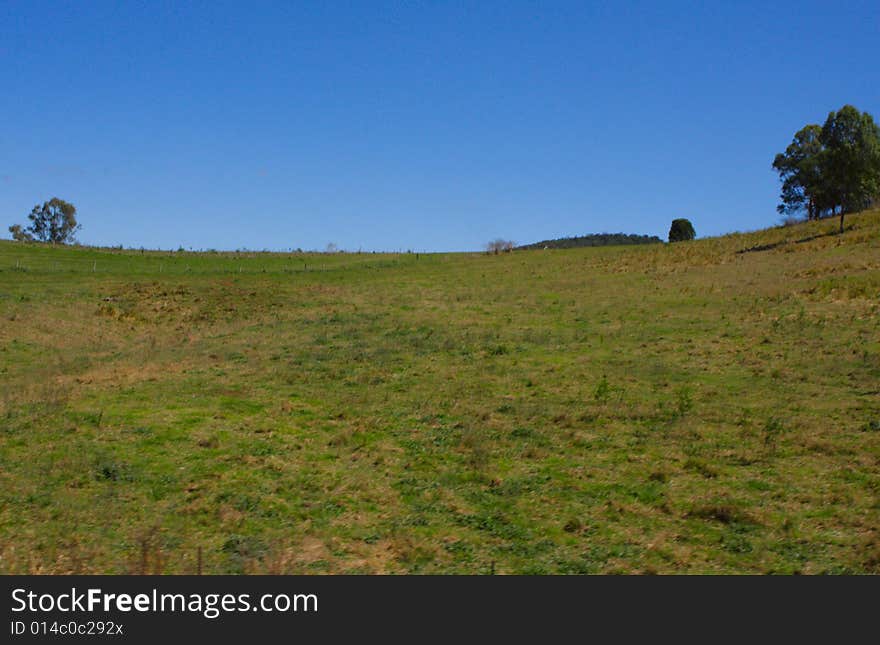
(594, 239)
(709, 406)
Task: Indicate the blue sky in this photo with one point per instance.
(424, 126)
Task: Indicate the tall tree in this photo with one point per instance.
(800, 169)
(850, 164)
(54, 221)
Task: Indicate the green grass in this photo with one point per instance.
(683, 408)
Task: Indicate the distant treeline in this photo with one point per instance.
(596, 239)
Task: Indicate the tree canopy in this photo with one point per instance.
(681, 230)
(54, 221)
(833, 168)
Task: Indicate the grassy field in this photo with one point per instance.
(684, 408)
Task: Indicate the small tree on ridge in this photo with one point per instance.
(499, 246)
(681, 230)
(54, 221)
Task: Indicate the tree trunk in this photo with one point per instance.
(841, 220)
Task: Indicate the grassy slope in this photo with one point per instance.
(675, 408)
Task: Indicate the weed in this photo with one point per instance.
(602, 392)
(684, 401)
(701, 467)
(771, 432)
(477, 449)
(723, 513)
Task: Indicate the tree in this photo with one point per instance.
(498, 246)
(831, 169)
(800, 169)
(19, 234)
(681, 230)
(850, 163)
(54, 221)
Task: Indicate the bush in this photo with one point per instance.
(681, 231)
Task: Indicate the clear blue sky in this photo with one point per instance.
(424, 126)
